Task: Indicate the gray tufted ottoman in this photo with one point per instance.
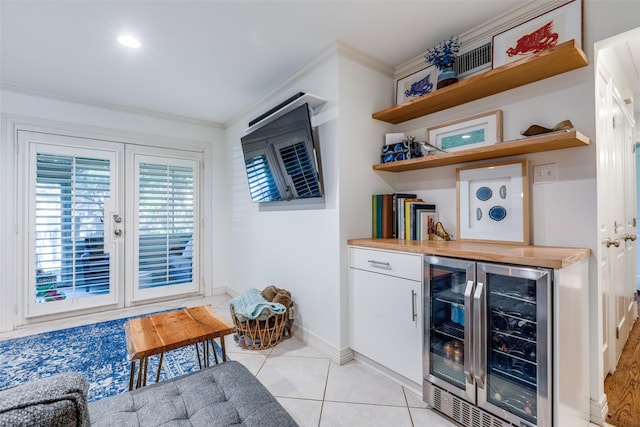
(222, 395)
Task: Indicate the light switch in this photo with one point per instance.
(545, 173)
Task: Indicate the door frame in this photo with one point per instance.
(25, 275)
(11, 303)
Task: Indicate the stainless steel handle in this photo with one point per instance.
(117, 218)
(379, 263)
(610, 242)
(631, 237)
(117, 232)
(414, 312)
(479, 349)
(468, 337)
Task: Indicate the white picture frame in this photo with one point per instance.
(471, 132)
(493, 202)
(543, 32)
(404, 90)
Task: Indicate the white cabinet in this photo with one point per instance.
(385, 309)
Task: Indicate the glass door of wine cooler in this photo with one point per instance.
(513, 370)
(448, 344)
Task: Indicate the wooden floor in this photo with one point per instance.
(623, 387)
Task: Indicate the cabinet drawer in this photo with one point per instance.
(398, 264)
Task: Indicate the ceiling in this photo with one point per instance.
(208, 60)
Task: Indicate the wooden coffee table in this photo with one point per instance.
(156, 334)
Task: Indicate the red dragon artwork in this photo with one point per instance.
(541, 39)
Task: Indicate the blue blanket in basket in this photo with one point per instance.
(252, 305)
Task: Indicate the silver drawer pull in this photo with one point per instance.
(379, 263)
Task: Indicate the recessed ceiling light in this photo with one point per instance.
(129, 41)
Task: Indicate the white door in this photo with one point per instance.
(615, 218)
(86, 203)
(73, 249)
(628, 306)
(163, 212)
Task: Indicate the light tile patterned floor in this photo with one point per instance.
(314, 390)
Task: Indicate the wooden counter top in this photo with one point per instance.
(535, 256)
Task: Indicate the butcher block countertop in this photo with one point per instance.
(535, 256)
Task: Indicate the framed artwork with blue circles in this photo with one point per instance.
(493, 202)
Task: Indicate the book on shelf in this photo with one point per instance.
(382, 216)
(425, 224)
(412, 215)
(398, 213)
(408, 217)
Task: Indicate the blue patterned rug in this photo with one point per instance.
(98, 351)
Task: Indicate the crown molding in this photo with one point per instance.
(30, 90)
(364, 59)
(280, 92)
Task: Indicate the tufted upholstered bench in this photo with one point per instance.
(222, 395)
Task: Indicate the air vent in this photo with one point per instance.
(437, 399)
(460, 410)
(474, 60)
(466, 415)
(457, 411)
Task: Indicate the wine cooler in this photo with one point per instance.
(487, 346)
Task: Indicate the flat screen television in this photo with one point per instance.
(282, 158)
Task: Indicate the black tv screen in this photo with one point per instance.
(282, 159)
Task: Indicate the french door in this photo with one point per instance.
(105, 223)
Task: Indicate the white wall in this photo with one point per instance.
(291, 245)
(94, 121)
(303, 248)
(363, 89)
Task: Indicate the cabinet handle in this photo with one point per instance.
(478, 317)
(379, 263)
(414, 312)
(631, 237)
(468, 334)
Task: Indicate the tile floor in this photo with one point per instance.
(313, 389)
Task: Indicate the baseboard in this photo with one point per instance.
(599, 411)
(339, 356)
(225, 290)
(403, 381)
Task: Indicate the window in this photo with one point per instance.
(70, 192)
(262, 184)
(300, 169)
(165, 224)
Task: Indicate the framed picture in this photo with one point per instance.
(493, 202)
(475, 131)
(538, 34)
(416, 84)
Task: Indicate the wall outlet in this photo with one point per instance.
(545, 173)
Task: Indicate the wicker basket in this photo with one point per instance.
(259, 334)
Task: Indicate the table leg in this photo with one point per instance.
(213, 348)
(146, 366)
(198, 353)
(132, 375)
(224, 350)
(140, 370)
(159, 367)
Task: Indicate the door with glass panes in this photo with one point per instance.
(106, 223)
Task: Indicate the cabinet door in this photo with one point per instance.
(386, 321)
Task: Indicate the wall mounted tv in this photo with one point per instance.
(281, 154)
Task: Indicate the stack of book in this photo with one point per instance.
(402, 216)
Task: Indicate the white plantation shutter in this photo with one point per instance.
(262, 184)
(70, 193)
(166, 220)
(299, 166)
